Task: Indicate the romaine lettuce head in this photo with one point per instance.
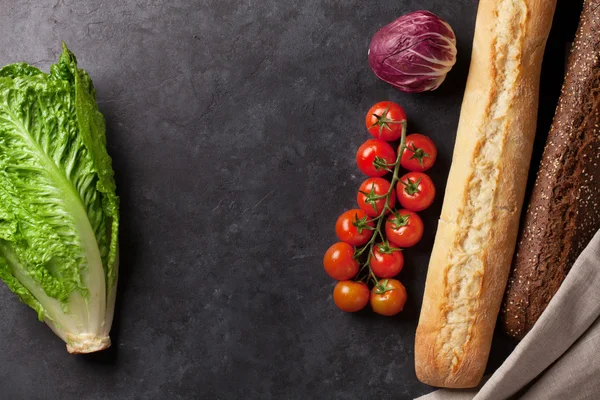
(59, 214)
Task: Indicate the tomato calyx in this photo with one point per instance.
(418, 154)
(356, 255)
(411, 187)
(383, 121)
(361, 223)
(381, 163)
(371, 197)
(398, 220)
(385, 248)
(382, 286)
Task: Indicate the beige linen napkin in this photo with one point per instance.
(560, 357)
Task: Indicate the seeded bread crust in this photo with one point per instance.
(564, 209)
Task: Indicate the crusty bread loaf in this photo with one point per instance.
(563, 213)
(478, 226)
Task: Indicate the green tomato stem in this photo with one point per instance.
(377, 231)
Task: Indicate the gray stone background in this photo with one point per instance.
(233, 127)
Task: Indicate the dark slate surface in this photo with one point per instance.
(233, 127)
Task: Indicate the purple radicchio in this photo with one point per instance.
(413, 53)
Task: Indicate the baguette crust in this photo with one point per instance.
(478, 226)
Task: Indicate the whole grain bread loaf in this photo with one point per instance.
(564, 209)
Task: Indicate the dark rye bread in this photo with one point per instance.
(564, 209)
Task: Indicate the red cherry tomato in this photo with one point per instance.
(415, 191)
(385, 119)
(388, 297)
(419, 154)
(354, 227)
(339, 262)
(404, 228)
(386, 261)
(368, 196)
(375, 157)
(350, 296)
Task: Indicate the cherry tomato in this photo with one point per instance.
(419, 154)
(369, 192)
(350, 296)
(386, 261)
(388, 297)
(354, 227)
(375, 157)
(339, 262)
(385, 119)
(404, 228)
(415, 191)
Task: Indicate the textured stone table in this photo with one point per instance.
(233, 127)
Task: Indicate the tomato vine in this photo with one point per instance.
(379, 219)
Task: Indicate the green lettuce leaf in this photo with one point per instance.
(59, 213)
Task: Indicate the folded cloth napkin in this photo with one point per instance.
(558, 358)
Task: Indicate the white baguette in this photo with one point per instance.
(478, 226)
